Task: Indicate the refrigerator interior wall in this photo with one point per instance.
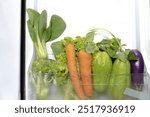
(144, 28)
(9, 49)
(121, 17)
(117, 16)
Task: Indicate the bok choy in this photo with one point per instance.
(40, 32)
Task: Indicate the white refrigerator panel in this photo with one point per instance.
(9, 49)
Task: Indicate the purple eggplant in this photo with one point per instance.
(137, 69)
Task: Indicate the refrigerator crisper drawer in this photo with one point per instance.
(53, 73)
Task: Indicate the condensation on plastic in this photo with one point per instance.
(57, 92)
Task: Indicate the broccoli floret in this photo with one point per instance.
(43, 65)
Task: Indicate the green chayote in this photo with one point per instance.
(102, 65)
(120, 79)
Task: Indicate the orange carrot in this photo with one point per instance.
(72, 67)
(85, 61)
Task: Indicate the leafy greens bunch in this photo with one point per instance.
(43, 69)
(40, 33)
(112, 46)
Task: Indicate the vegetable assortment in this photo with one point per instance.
(81, 67)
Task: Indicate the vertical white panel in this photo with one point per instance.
(9, 48)
(144, 21)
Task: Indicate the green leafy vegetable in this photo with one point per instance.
(90, 36)
(34, 17)
(112, 46)
(57, 26)
(61, 69)
(79, 43)
(90, 45)
(33, 30)
(123, 55)
(57, 48)
(41, 33)
(67, 40)
(44, 70)
(42, 24)
(43, 66)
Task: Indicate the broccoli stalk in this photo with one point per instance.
(40, 34)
